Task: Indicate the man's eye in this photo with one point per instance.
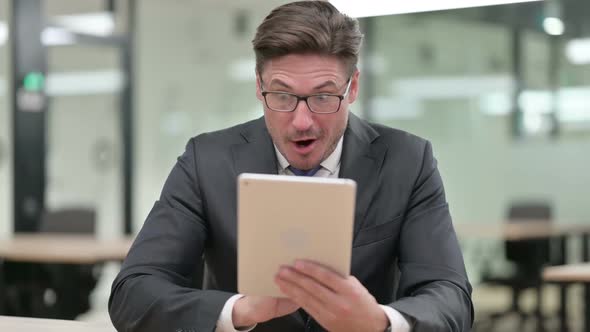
(323, 98)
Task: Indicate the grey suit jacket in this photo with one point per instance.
(402, 224)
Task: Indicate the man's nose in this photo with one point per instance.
(302, 116)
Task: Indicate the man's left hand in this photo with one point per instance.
(337, 303)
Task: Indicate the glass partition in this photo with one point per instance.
(83, 134)
(195, 73)
(84, 84)
(448, 76)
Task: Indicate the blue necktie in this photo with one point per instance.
(300, 172)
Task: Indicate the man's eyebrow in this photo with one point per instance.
(276, 81)
(325, 85)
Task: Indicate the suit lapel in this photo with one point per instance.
(256, 154)
(361, 161)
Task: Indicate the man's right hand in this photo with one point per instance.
(251, 310)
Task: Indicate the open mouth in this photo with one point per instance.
(304, 143)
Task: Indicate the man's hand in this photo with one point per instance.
(250, 310)
(337, 303)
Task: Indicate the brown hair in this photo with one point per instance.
(308, 27)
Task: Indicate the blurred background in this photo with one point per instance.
(99, 97)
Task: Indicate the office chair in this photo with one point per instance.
(529, 257)
(69, 284)
(70, 221)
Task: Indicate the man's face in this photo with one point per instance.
(304, 138)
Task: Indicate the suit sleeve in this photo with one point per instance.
(434, 292)
(152, 292)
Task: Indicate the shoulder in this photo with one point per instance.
(228, 137)
(405, 153)
(396, 141)
(399, 139)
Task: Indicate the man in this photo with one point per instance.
(306, 79)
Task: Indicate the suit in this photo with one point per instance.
(402, 227)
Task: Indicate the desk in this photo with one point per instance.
(63, 248)
(568, 273)
(20, 324)
(521, 230)
(60, 249)
(572, 273)
(528, 230)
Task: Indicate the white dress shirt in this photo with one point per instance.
(330, 168)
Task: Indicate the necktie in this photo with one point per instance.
(300, 172)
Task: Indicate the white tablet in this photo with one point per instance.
(284, 218)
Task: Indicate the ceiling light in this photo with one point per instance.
(3, 33)
(98, 24)
(553, 26)
(52, 36)
(578, 51)
(365, 8)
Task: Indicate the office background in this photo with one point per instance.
(448, 76)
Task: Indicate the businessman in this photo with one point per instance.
(306, 81)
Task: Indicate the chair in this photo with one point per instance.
(69, 284)
(71, 220)
(529, 257)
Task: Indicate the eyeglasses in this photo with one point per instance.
(322, 103)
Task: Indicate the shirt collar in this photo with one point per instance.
(331, 163)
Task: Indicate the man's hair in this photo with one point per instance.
(308, 27)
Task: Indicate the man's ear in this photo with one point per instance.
(258, 87)
(354, 86)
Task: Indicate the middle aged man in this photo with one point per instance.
(306, 80)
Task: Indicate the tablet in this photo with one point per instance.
(283, 218)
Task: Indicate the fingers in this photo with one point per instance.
(291, 285)
(324, 275)
(313, 286)
(334, 301)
